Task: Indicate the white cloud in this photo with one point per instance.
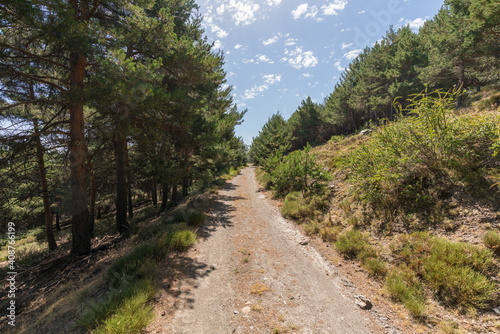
(301, 9)
(271, 40)
(220, 10)
(256, 90)
(313, 11)
(309, 12)
(334, 7)
(271, 78)
(345, 46)
(337, 65)
(221, 33)
(362, 12)
(243, 11)
(263, 59)
(273, 2)
(305, 75)
(291, 41)
(299, 59)
(352, 54)
(417, 23)
(217, 44)
(238, 46)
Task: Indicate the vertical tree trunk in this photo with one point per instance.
(175, 199)
(58, 226)
(77, 157)
(165, 192)
(93, 193)
(185, 186)
(120, 147)
(45, 189)
(154, 194)
(129, 185)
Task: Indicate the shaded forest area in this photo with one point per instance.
(104, 105)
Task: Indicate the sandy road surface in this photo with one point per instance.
(252, 272)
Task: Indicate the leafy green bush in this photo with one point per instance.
(297, 172)
(190, 216)
(405, 161)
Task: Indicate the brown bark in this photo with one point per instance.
(77, 158)
(45, 190)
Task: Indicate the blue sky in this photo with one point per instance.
(278, 52)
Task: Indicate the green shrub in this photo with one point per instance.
(375, 267)
(405, 162)
(298, 206)
(192, 217)
(492, 240)
(403, 286)
(298, 172)
(459, 285)
(182, 239)
(456, 272)
(354, 244)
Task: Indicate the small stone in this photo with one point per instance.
(430, 326)
(236, 312)
(245, 310)
(363, 302)
(497, 310)
(303, 242)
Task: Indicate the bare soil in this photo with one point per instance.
(255, 272)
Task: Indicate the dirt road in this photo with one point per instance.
(254, 272)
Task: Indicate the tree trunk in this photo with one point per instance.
(93, 193)
(58, 226)
(80, 226)
(185, 186)
(120, 147)
(129, 186)
(174, 200)
(45, 189)
(165, 192)
(154, 194)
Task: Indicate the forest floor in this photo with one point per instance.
(254, 272)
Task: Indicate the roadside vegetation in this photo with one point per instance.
(394, 199)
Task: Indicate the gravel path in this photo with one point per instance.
(254, 272)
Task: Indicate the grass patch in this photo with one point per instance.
(403, 286)
(298, 206)
(125, 308)
(122, 311)
(491, 239)
(354, 244)
(456, 272)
